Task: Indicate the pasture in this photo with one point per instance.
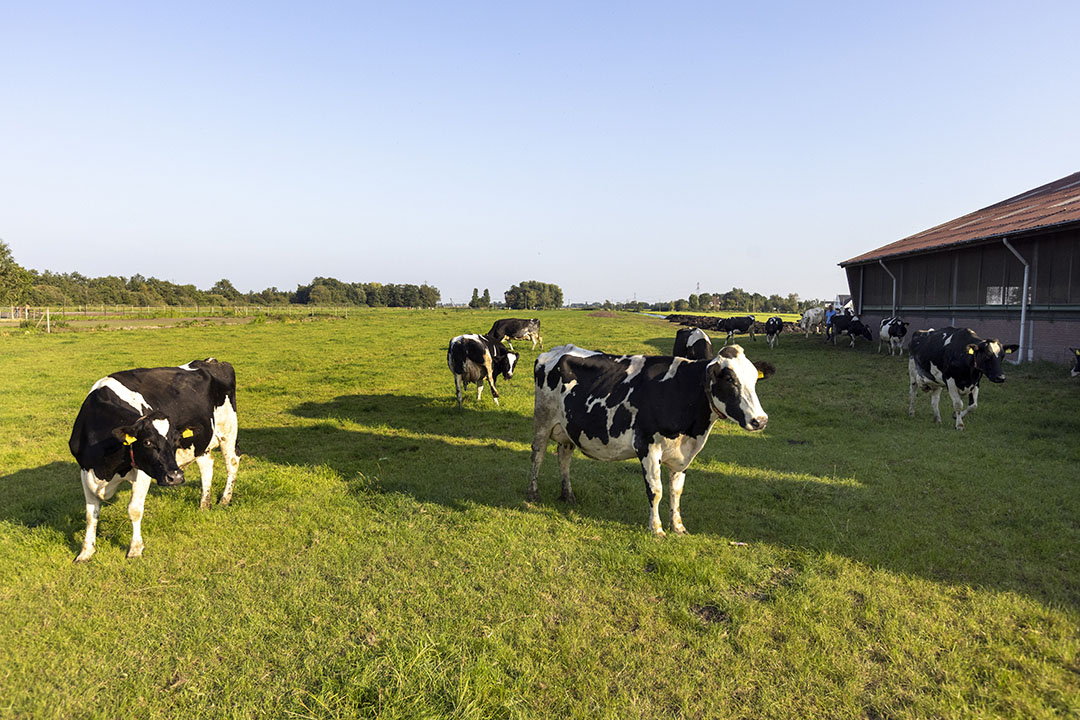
(379, 558)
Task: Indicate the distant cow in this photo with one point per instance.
(849, 325)
(742, 324)
(812, 319)
(509, 329)
(145, 425)
(474, 358)
(773, 327)
(693, 343)
(892, 331)
(956, 359)
(656, 409)
(1076, 368)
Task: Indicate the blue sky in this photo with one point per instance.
(620, 150)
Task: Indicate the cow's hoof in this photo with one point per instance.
(679, 529)
(532, 496)
(568, 498)
(225, 500)
(84, 556)
(659, 532)
(204, 504)
(135, 552)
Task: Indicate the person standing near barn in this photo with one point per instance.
(830, 311)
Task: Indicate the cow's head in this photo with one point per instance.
(731, 385)
(987, 356)
(1076, 369)
(898, 328)
(504, 363)
(858, 329)
(151, 443)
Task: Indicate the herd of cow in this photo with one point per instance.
(147, 424)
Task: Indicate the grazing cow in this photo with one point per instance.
(851, 326)
(693, 343)
(892, 331)
(656, 409)
(1076, 369)
(516, 329)
(474, 358)
(743, 324)
(145, 425)
(773, 327)
(812, 319)
(953, 358)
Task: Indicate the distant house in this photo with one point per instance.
(971, 271)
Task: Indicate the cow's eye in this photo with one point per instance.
(147, 443)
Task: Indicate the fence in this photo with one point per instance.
(44, 317)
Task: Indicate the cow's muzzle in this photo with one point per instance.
(176, 477)
(998, 379)
(758, 423)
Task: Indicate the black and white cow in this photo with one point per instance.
(475, 358)
(509, 329)
(956, 359)
(145, 425)
(773, 328)
(656, 409)
(851, 326)
(892, 331)
(742, 324)
(1076, 368)
(812, 319)
(693, 343)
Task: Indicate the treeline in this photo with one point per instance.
(534, 295)
(49, 288)
(735, 299)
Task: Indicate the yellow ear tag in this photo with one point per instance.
(188, 433)
(1008, 351)
(129, 440)
(760, 374)
(971, 351)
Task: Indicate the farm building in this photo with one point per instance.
(969, 272)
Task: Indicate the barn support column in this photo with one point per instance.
(1023, 301)
(889, 272)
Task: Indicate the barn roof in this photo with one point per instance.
(1055, 203)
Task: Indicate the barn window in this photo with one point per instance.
(969, 263)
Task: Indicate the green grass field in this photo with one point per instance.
(379, 558)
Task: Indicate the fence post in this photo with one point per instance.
(48, 321)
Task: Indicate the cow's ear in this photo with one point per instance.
(1010, 349)
(126, 434)
(764, 370)
(971, 349)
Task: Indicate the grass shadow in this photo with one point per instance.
(944, 531)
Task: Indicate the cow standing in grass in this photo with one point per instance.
(812, 319)
(145, 425)
(656, 409)
(475, 358)
(1076, 368)
(954, 359)
(740, 324)
(773, 327)
(509, 329)
(892, 332)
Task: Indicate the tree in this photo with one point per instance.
(485, 301)
(15, 282)
(533, 295)
(475, 301)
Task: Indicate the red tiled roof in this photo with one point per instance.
(1053, 204)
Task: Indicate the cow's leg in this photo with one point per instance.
(539, 448)
(458, 387)
(913, 378)
(135, 512)
(566, 453)
(206, 474)
(490, 375)
(93, 511)
(677, 479)
(958, 404)
(654, 488)
(935, 402)
(232, 460)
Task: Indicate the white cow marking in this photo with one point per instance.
(132, 398)
(162, 426)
